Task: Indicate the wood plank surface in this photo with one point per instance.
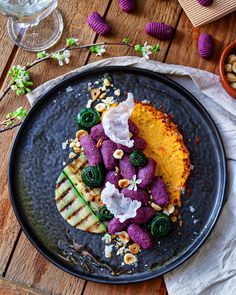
(184, 48)
(6, 47)
(132, 25)
(8, 287)
(75, 15)
(29, 267)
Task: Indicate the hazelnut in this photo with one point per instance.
(72, 155)
(102, 95)
(81, 133)
(117, 92)
(234, 67)
(231, 77)
(228, 67)
(123, 183)
(130, 259)
(231, 58)
(234, 85)
(100, 107)
(95, 93)
(123, 237)
(170, 208)
(134, 248)
(155, 207)
(118, 154)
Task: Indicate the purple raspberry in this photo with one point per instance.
(98, 24)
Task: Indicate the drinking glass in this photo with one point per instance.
(34, 25)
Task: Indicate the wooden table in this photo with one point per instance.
(22, 269)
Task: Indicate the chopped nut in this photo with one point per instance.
(117, 170)
(134, 248)
(95, 93)
(120, 251)
(108, 250)
(174, 218)
(72, 144)
(155, 207)
(98, 200)
(231, 77)
(118, 154)
(231, 58)
(77, 144)
(102, 95)
(130, 134)
(117, 92)
(103, 88)
(123, 237)
(72, 155)
(100, 107)
(106, 82)
(171, 208)
(228, 67)
(77, 150)
(166, 211)
(99, 143)
(89, 103)
(81, 133)
(130, 258)
(180, 223)
(123, 183)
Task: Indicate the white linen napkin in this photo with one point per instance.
(212, 270)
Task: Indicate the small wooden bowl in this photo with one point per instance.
(224, 81)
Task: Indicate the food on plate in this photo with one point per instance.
(129, 171)
(230, 69)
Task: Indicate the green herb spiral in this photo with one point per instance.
(87, 118)
(104, 214)
(161, 225)
(93, 176)
(138, 159)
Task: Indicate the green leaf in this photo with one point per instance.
(71, 41)
(95, 48)
(138, 48)
(156, 48)
(41, 54)
(126, 40)
(9, 123)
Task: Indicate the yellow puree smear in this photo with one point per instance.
(165, 145)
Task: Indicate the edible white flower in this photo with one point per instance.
(62, 57)
(133, 183)
(108, 101)
(146, 50)
(101, 50)
(66, 55)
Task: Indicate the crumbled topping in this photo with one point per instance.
(106, 82)
(192, 209)
(69, 89)
(64, 144)
(117, 92)
(107, 238)
(72, 155)
(108, 250)
(155, 206)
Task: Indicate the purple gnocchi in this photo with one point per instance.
(133, 127)
(97, 132)
(205, 2)
(160, 30)
(144, 214)
(139, 143)
(140, 236)
(139, 195)
(205, 45)
(92, 152)
(147, 173)
(98, 24)
(115, 225)
(126, 169)
(159, 192)
(127, 5)
(107, 150)
(113, 177)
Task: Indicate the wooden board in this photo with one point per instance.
(8, 287)
(6, 48)
(29, 267)
(184, 48)
(40, 74)
(132, 25)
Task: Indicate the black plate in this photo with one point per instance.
(37, 157)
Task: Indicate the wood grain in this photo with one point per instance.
(29, 267)
(154, 287)
(8, 287)
(6, 46)
(75, 15)
(132, 25)
(184, 48)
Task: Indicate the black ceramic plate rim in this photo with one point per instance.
(50, 256)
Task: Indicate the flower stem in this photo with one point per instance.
(9, 127)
